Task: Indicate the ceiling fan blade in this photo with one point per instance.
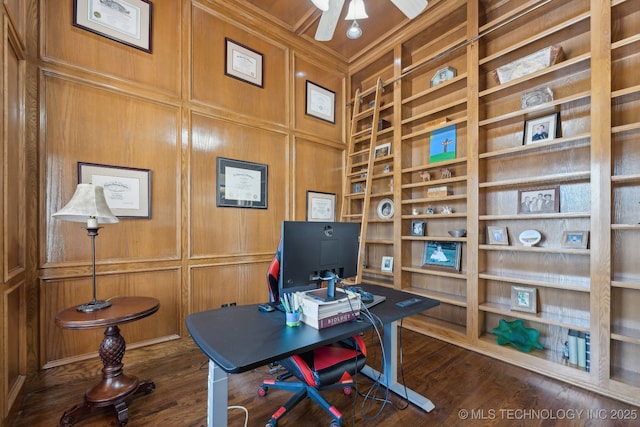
(329, 21)
(411, 8)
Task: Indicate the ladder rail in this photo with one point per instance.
(355, 137)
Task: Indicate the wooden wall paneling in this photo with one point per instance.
(17, 13)
(94, 125)
(14, 343)
(13, 137)
(241, 282)
(13, 246)
(212, 87)
(228, 231)
(328, 78)
(318, 167)
(58, 294)
(158, 70)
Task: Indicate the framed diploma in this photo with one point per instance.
(321, 206)
(241, 184)
(243, 63)
(125, 21)
(320, 103)
(127, 190)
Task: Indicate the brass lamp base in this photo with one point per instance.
(93, 306)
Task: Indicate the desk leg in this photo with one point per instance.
(389, 377)
(217, 396)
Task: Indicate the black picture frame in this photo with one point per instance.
(102, 17)
(127, 190)
(320, 102)
(541, 129)
(241, 184)
(243, 63)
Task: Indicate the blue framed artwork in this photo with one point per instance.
(442, 144)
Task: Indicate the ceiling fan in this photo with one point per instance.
(331, 10)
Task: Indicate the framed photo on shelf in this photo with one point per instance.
(385, 209)
(387, 264)
(124, 21)
(446, 255)
(442, 75)
(524, 299)
(539, 200)
(541, 129)
(320, 102)
(497, 235)
(575, 239)
(418, 228)
(321, 206)
(241, 184)
(243, 63)
(442, 144)
(382, 150)
(127, 190)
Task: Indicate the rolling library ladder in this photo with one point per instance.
(362, 156)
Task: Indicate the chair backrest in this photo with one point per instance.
(273, 276)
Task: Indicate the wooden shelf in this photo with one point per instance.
(547, 179)
(540, 317)
(535, 249)
(561, 282)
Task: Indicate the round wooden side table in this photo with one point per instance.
(115, 386)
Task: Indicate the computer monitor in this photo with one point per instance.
(313, 252)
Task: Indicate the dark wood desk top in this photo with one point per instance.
(122, 310)
(242, 338)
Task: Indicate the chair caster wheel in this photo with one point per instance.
(262, 391)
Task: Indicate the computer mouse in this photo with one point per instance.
(265, 308)
(366, 296)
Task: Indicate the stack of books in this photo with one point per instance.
(320, 314)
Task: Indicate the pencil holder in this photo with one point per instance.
(292, 319)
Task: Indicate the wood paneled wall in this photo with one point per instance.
(13, 205)
(173, 111)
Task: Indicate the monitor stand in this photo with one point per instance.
(328, 293)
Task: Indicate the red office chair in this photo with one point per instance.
(324, 368)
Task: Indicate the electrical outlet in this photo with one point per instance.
(224, 305)
(233, 304)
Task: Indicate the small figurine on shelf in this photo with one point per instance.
(447, 210)
(386, 169)
(565, 350)
(430, 210)
(425, 175)
(415, 212)
(445, 173)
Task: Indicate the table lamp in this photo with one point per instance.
(89, 205)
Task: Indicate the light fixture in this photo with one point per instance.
(354, 31)
(356, 10)
(323, 5)
(89, 205)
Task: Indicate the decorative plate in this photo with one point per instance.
(385, 209)
(530, 237)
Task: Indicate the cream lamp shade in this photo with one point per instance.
(89, 205)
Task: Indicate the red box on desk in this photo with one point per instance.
(321, 314)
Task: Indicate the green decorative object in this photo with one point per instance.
(516, 334)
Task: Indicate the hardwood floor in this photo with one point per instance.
(467, 389)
